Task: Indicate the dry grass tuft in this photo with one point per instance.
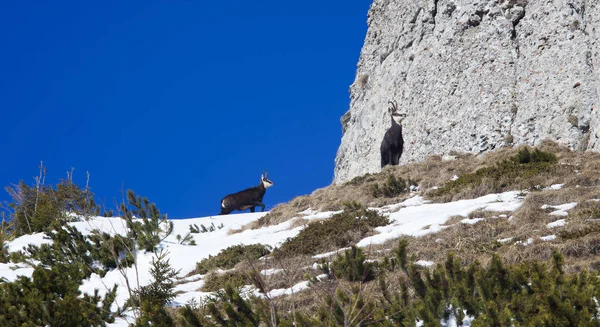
(531, 212)
(283, 212)
(584, 247)
(513, 254)
(288, 272)
(454, 220)
(473, 242)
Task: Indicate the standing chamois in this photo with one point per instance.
(248, 198)
(393, 143)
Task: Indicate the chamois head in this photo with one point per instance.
(264, 179)
(397, 116)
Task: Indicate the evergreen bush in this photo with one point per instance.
(517, 171)
(4, 238)
(531, 293)
(51, 297)
(229, 257)
(341, 230)
(145, 224)
(97, 252)
(214, 281)
(391, 188)
(353, 267)
(153, 298)
(41, 208)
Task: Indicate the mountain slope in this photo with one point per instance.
(410, 218)
(523, 206)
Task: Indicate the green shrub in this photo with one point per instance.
(233, 310)
(4, 237)
(399, 258)
(516, 171)
(203, 229)
(229, 257)
(187, 317)
(217, 281)
(188, 239)
(526, 156)
(345, 306)
(41, 208)
(341, 230)
(194, 229)
(352, 266)
(152, 298)
(530, 293)
(70, 246)
(230, 308)
(359, 180)
(393, 187)
(107, 249)
(4, 254)
(151, 228)
(51, 297)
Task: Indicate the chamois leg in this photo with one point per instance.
(396, 158)
(251, 209)
(385, 158)
(259, 204)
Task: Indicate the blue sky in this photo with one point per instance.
(181, 101)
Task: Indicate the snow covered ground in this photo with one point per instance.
(413, 217)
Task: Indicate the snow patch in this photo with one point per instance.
(292, 290)
(322, 215)
(558, 223)
(528, 242)
(548, 238)
(554, 187)
(306, 212)
(269, 272)
(472, 221)
(425, 263)
(328, 254)
(411, 220)
(561, 210)
(9, 272)
(22, 241)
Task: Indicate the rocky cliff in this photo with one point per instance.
(474, 76)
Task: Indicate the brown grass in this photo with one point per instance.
(429, 173)
(471, 241)
(434, 172)
(578, 171)
(578, 240)
(290, 271)
(454, 220)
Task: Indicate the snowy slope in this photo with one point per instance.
(412, 217)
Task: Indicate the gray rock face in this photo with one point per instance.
(474, 75)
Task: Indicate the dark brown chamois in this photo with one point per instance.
(393, 143)
(248, 198)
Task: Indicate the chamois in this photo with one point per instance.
(248, 198)
(393, 143)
